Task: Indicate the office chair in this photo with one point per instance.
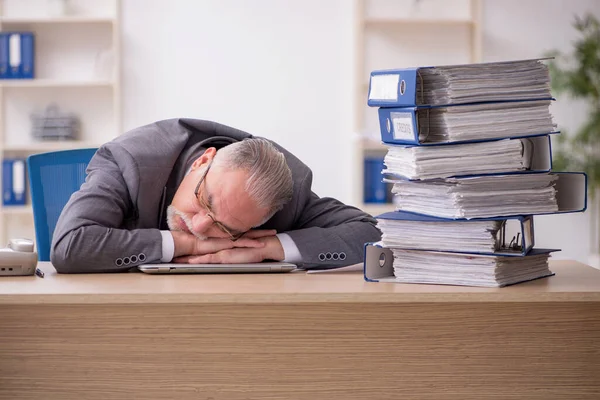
(53, 178)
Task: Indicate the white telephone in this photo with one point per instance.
(18, 258)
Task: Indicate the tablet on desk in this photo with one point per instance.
(172, 268)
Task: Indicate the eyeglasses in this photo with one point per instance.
(206, 207)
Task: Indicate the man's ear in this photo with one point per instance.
(205, 158)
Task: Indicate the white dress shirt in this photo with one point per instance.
(290, 250)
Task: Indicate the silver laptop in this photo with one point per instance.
(172, 268)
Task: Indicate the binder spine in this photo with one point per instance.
(378, 262)
(27, 56)
(18, 182)
(4, 55)
(375, 190)
(393, 88)
(14, 55)
(571, 191)
(13, 182)
(527, 233)
(541, 157)
(7, 183)
(399, 126)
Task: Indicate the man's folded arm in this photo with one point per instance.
(89, 237)
(330, 233)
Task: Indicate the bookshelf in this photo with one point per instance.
(77, 68)
(400, 34)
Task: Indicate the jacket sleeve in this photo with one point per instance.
(329, 233)
(91, 235)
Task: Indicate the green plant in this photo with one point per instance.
(578, 75)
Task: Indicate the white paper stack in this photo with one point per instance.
(478, 197)
(484, 121)
(470, 83)
(413, 266)
(453, 236)
(429, 162)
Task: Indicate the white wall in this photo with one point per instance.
(526, 29)
(284, 70)
(279, 69)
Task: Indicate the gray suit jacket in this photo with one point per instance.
(112, 223)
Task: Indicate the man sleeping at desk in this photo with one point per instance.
(194, 191)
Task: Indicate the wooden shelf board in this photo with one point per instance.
(382, 21)
(17, 210)
(49, 83)
(41, 147)
(57, 20)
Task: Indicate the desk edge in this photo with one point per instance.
(298, 298)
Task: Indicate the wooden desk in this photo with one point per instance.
(297, 336)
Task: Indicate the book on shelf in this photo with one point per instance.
(13, 181)
(483, 158)
(465, 122)
(509, 236)
(492, 196)
(460, 84)
(375, 191)
(17, 54)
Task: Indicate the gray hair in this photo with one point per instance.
(270, 179)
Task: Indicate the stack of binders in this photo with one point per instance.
(470, 160)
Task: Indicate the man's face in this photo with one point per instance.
(221, 208)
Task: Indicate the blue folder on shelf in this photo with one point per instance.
(374, 189)
(4, 55)
(13, 182)
(400, 125)
(514, 237)
(20, 55)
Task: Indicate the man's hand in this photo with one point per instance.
(189, 245)
(271, 249)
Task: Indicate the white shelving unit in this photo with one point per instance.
(401, 34)
(77, 67)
